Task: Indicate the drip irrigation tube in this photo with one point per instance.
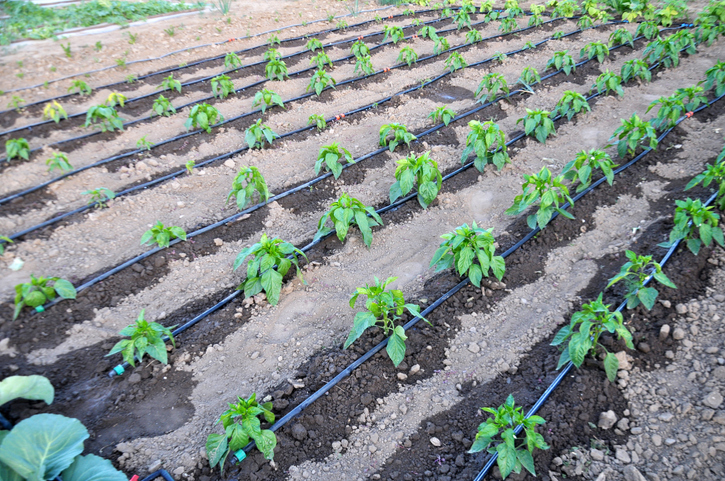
(565, 370)
(209, 45)
(254, 84)
(120, 369)
(161, 473)
(303, 186)
(235, 152)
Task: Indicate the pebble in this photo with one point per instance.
(299, 432)
(713, 400)
(678, 334)
(230, 163)
(402, 376)
(435, 441)
(665, 417)
(155, 466)
(632, 474)
(414, 369)
(179, 471)
(657, 440)
(596, 454)
(607, 419)
(134, 378)
(474, 348)
(681, 309)
(218, 242)
(623, 456)
(254, 355)
(664, 332)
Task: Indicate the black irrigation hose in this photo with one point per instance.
(565, 370)
(156, 474)
(204, 79)
(207, 45)
(278, 196)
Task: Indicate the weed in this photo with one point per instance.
(170, 31)
(67, 50)
(99, 46)
(132, 37)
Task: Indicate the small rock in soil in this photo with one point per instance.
(678, 334)
(632, 474)
(607, 419)
(435, 441)
(713, 400)
(664, 332)
(299, 432)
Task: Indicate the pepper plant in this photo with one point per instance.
(116, 98)
(241, 424)
(670, 109)
(15, 103)
(245, 183)
(320, 81)
(488, 142)
(635, 68)
(440, 45)
(232, 61)
(330, 157)
(257, 134)
(17, 148)
(170, 83)
(529, 76)
(595, 49)
(58, 161)
(318, 121)
(314, 44)
(693, 218)
(347, 211)
(222, 86)
(190, 164)
(54, 111)
(716, 78)
(508, 24)
(492, 83)
(427, 31)
(442, 114)
(549, 192)
(272, 259)
(383, 308)
(713, 174)
(407, 55)
(104, 117)
(562, 61)
(364, 65)
(538, 123)
(471, 251)
(632, 133)
(462, 19)
(581, 336)
(203, 116)
(162, 235)
(276, 70)
(400, 135)
(321, 59)
(511, 458)
(455, 61)
(692, 97)
(162, 106)
(80, 87)
(633, 273)
(571, 103)
(648, 30)
(395, 33)
(143, 144)
(609, 81)
(421, 170)
(146, 338)
(360, 49)
(99, 196)
(473, 36)
(585, 163)
(38, 291)
(620, 37)
(667, 50)
(266, 98)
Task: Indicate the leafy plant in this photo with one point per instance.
(455, 61)
(17, 148)
(670, 109)
(632, 133)
(267, 98)
(529, 76)
(716, 78)
(499, 56)
(276, 70)
(222, 86)
(493, 83)
(3, 241)
(648, 30)
(203, 116)
(258, 133)
(170, 31)
(595, 49)
(16, 102)
(633, 273)
(162, 235)
(488, 142)
(272, 259)
(693, 218)
(274, 40)
(132, 38)
(169, 83)
(384, 308)
(442, 113)
(620, 37)
(232, 61)
(320, 81)
(99, 196)
(38, 291)
(162, 106)
(536, 19)
(318, 121)
(440, 45)
(144, 144)
(585, 22)
(360, 49)
(506, 419)
(563, 8)
(116, 98)
(314, 44)
(667, 13)
(245, 183)
(341, 25)
(462, 19)
(400, 135)
(67, 50)
(508, 25)
(190, 164)
(146, 338)
(407, 55)
(635, 69)
(592, 321)
(80, 87)
(329, 158)
(421, 170)
(473, 36)
(558, 35)
(321, 59)
(549, 192)
(713, 173)
(571, 103)
(562, 61)
(692, 97)
(58, 161)
(538, 123)
(347, 211)
(585, 163)
(472, 251)
(609, 81)
(104, 117)
(53, 110)
(667, 50)
(395, 33)
(427, 31)
(365, 65)
(241, 424)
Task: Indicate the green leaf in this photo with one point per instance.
(26, 387)
(506, 459)
(664, 280)
(92, 468)
(7, 474)
(65, 289)
(272, 284)
(42, 446)
(157, 350)
(527, 461)
(647, 295)
(396, 345)
(266, 441)
(561, 335)
(362, 321)
(611, 366)
(216, 447)
(480, 444)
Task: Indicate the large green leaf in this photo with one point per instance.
(26, 387)
(611, 366)
(396, 345)
(7, 474)
(216, 447)
(40, 447)
(92, 468)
